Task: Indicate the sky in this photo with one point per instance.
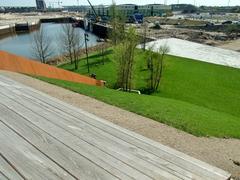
(106, 2)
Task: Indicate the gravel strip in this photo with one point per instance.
(198, 52)
(222, 153)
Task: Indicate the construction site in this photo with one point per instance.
(187, 29)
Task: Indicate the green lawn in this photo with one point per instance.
(208, 85)
(194, 96)
(191, 118)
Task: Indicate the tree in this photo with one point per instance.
(117, 22)
(144, 35)
(124, 55)
(66, 38)
(149, 56)
(155, 66)
(41, 46)
(70, 39)
(103, 51)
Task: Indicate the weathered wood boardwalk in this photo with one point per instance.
(44, 138)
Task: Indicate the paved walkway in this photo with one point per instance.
(197, 51)
(44, 138)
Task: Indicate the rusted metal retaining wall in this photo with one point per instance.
(11, 62)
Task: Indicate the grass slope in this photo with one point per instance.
(212, 86)
(194, 119)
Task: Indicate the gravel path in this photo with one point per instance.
(218, 152)
(200, 52)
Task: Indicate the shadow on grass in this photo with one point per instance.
(92, 63)
(95, 62)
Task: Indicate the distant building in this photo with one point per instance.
(17, 9)
(126, 9)
(154, 9)
(41, 5)
(81, 9)
(101, 10)
(184, 8)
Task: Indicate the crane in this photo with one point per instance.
(97, 18)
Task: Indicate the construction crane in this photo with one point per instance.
(97, 18)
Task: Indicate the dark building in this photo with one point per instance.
(41, 5)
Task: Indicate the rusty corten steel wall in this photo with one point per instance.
(11, 62)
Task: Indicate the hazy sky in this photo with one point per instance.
(84, 2)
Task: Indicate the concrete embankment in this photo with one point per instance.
(28, 26)
(6, 30)
(9, 30)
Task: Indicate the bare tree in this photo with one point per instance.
(155, 66)
(149, 57)
(144, 35)
(41, 46)
(124, 54)
(103, 51)
(66, 40)
(76, 47)
(71, 42)
(117, 22)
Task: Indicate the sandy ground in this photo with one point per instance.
(217, 152)
(233, 45)
(199, 51)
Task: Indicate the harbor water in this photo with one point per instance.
(22, 44)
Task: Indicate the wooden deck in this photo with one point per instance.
(44, 138)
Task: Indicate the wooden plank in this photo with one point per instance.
(140, 141)
(106, 161)
(115, 146)
(105, 141)
(71, 161)
(31, 163)
(191, 164)
(141, 160)
(7, 171)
